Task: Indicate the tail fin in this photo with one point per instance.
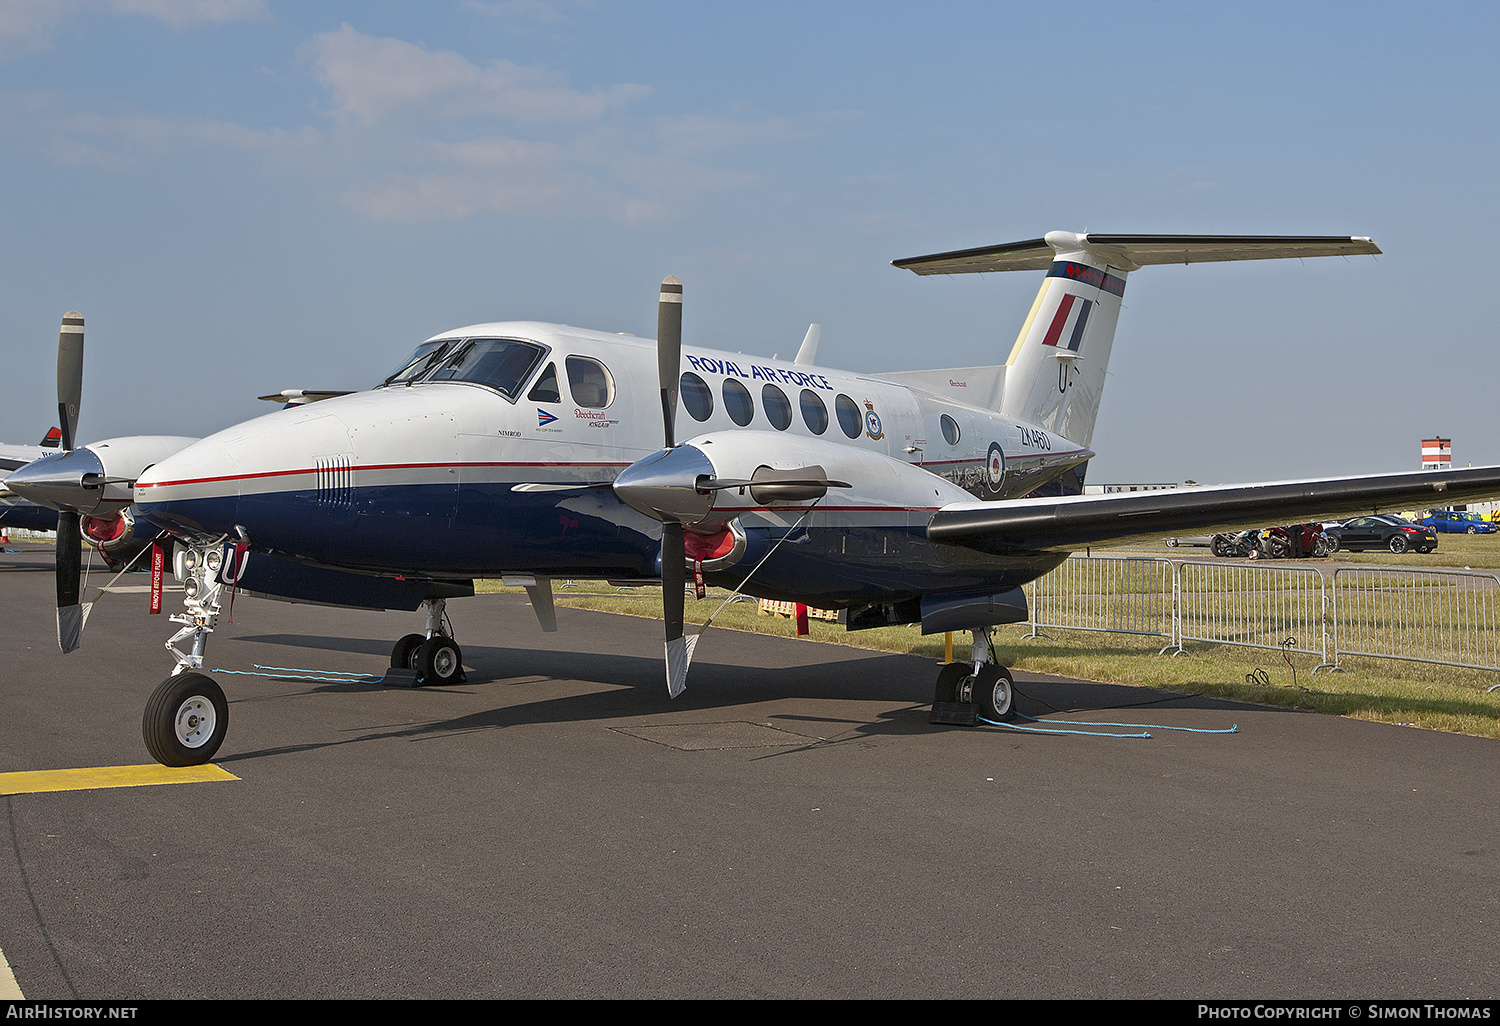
(1054, 377)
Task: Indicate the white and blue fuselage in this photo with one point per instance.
(494, 451)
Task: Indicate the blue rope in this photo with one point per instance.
(1044, 730)
(1102, 733)
(343, 677)
(1152, 726)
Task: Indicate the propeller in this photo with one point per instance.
(677, 485)
(679, 649)
(70, 614)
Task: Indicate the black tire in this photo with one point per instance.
(404, 654)
(1220, 546)
(1398, 543)
(439, 661)
(949, 680)
(1333, 544)
(995, 693)
(185, 721)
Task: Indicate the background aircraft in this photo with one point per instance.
(523, 450)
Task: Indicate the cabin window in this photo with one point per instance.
(697, 397)
(500, 363)
(778, 408)
(737, 402)
(814, 413)
(849, 418)
(592, 385)
(545, 390)
(950, 429)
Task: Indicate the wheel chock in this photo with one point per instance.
(399, 677)
(954, 714)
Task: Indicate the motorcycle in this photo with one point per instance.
(1241, 543)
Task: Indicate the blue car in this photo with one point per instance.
(1452, 522)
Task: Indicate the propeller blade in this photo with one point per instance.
(673, 601)
(669, 353)
(70, 615)
(69, 376)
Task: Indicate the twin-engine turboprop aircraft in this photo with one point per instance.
(527, 451)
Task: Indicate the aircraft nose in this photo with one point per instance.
(195, 489)
(72, 480)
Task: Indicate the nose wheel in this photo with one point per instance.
(185, 721)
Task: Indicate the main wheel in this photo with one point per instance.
(1398, 543)
(994, 693)
(403, 656)
(185, 721)
(950, 682)
(439, 661)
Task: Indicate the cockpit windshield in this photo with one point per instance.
(423, 359)
(500, 363)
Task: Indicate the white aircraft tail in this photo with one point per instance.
(1054, 377)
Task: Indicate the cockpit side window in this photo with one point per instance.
(592, 385)
(425, 357)
(546, 390)
(500, 363)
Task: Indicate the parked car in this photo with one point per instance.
(1453, 522)
(1384, 532)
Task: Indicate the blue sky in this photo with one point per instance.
(248, 195)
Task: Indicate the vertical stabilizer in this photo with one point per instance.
(1054, 377)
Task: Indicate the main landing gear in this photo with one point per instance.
(981, 689)
(430, 658)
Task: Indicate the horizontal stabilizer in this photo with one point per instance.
(1130, 252)
(1069, 523)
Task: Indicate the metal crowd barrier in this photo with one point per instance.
(1123, 595)
(1278, 607)
(1450, 617)
(1429, 616)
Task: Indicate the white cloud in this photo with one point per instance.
(181, 14)
(413, 134)
(29, 26)
(375, 79)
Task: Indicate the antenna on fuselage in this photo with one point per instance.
(808, 354)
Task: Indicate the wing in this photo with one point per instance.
(1072, 522)
(13, 457)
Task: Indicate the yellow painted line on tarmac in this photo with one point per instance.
(10, 990)
(35, 781)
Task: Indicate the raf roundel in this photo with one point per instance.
(994, 466)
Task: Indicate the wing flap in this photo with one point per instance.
(1068, 523)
